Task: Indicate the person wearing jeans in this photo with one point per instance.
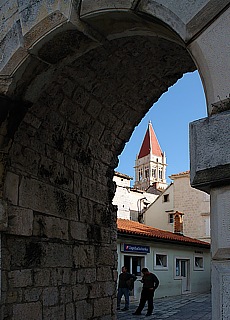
(123, 288)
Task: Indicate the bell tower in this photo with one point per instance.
(150, 164)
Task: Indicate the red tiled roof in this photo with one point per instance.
(135, 228)
(150, 144)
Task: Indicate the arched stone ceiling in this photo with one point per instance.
(105, 92)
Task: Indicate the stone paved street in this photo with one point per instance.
(186, 307)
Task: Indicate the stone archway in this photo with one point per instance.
(73, 91)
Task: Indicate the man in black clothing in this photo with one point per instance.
(123, 288)
(150, 284)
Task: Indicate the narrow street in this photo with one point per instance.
(186, 307)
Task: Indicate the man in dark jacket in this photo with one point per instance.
(150, 284)
(123, 288)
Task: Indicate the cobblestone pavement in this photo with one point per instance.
(186, 307)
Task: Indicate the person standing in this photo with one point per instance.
(123, 287)
(150, 284)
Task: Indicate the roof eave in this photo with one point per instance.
(151, 238)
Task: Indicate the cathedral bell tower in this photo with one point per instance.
(150, 164)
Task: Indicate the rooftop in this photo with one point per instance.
(129, 227)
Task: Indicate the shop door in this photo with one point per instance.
(185, 276)
(134, 265)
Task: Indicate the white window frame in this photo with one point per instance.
(169, 218)
(188, 259)
(195, 267)
(161, 267)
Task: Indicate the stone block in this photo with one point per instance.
(80, 292)
(45, 198)
(88, 6)
(66, 294)
(3, 215)
(54, 313)
(57, 255)
(61, 276)
(104, 273)
(84, 256)
(71, 164)
(84, 310)
(78, 231)
(105, 256)
(86, 210)
(14, 296)
(55, 174)
(25, 159)
(20, 221)
(77, 183)
(220, 222)
(32, 120)
(69, 311)
(11, 187)
(53, 153)
(20, 278)
(50, 227)
(32, 311)
(209, 140)
(13, 48)
(41, 277)
(50, 296)
(87, 275)
(221, 295)
(102, 307)
(32, 294)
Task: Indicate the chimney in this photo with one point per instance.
(178, 222)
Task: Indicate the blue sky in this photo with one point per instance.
(170, 116)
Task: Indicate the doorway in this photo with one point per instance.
(183, 272)
(134, 265)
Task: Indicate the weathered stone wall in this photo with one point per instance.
(59, 250)
(43, 51)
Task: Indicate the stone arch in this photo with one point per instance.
(73, 90)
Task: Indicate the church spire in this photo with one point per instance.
(150, 144)
(150, 165)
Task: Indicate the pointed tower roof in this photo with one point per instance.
(150, 143)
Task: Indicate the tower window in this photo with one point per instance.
(146, 172)
(160, 173)
(166, 198)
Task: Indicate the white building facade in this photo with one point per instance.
(131, 203)
(181, 197)
(182, 264)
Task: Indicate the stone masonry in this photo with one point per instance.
(59, 249)
(76, 77)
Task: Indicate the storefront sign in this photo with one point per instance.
(134, 248)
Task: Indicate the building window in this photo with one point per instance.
(171, 217)
(160, 173)
(181, 267)
(161, 261)
(198, 263)
(154, 172)
(146, 172)
(140, 174)
(166, 198)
